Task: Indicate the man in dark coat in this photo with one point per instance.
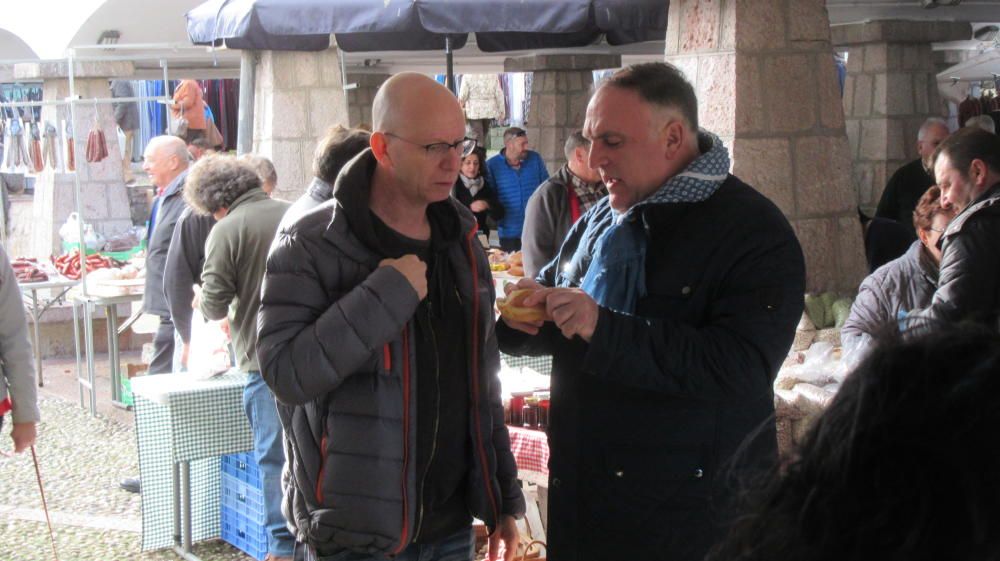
(673, 303)
(376, 335)
(967, 169)
(911, 181)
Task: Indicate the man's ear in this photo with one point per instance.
(380, 147)
(674, 135)
(978, 172)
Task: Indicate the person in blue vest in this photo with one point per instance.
(515, 173)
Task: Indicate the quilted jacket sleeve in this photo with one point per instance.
(309, 342)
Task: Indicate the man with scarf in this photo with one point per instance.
(673, 302)
(558, 203)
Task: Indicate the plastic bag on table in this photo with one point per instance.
(208, 354)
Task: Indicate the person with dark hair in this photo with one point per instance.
(377, 337)
(902, 464)
(198, 148)
(911, 181)
(558, 203)
(904, 284)
(967, 168)
(673, 302)
(515, 172)
(472, 190)
(337, 147)
(235, 256)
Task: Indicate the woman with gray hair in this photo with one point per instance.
(235, 255)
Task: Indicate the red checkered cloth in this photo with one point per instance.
(531, 450)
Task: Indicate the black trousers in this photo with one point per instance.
(163, 348)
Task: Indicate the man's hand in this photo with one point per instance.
(23, 435)
(573, 311)
(224, 324)
(413, 269)
(479, 206)
(529, 327)
(507, 533)
(185, 351)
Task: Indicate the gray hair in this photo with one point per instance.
(263, 167)
(216, 181)
(931, 122)
(984, 122)
(575, 140)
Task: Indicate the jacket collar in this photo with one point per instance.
(177, 184)
(250, 196)
(351, 228)
(989, 198)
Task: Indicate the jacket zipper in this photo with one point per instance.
(475, 379)
(404, 534)
(437, 422)
(322, 468)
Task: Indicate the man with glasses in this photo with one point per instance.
(515, 172)
(376, 335)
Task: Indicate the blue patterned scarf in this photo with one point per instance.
(616, 276)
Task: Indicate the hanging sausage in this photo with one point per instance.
(70, 149)
(97, 146)
(37, 163)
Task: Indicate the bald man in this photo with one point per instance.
(166, 162)
(376, 336)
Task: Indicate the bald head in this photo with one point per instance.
(165, 158)
(408, 100)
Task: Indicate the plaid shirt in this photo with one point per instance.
(587, 193)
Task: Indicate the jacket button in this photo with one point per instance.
(686, 290)
(556, 482)
(698, 473)
(619, 473)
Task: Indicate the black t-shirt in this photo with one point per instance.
(442, 385)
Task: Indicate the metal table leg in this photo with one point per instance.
(35, 315)
(81, 382)
(114, 356)
(88, 336)
(182, 511)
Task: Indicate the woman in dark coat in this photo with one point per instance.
(472, 190)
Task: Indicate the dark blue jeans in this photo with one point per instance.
(456, 547)
(258, 402)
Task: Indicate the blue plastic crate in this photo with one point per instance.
(248, 536)
(243, 497)
(242, 466)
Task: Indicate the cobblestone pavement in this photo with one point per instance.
(82, 459)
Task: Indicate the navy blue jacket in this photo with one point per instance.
(649, 422)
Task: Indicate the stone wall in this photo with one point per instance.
(298, 96)
(359, 98)
(560, 90)
(891, 88)
(766, 84)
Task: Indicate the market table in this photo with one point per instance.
(183, 424)
(531, 454)
(89, 303)
(38, 306)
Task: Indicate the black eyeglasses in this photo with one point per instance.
(440, 149)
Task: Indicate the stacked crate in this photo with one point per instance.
(242, 505)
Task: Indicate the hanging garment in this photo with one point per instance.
(97, 146)
(70, 149)
(50, 140)
(37, 164)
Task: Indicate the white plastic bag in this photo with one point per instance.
(208, 354)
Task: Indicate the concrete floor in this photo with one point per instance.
(59, 375)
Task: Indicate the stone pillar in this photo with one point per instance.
(766, 83)
(891, 88)
(560, 91)
(298, 96)
(360, 97)
(104, 196)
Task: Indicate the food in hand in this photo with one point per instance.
(513, 307)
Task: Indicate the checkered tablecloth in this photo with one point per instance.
(181, 418)
(531, 453)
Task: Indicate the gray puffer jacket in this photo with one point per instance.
(336, 346)
(17, 369)
(901, 285)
